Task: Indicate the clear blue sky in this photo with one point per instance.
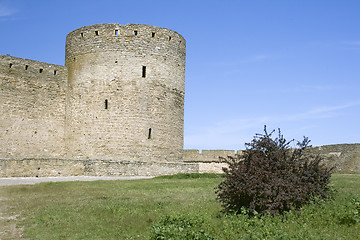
(293, 65)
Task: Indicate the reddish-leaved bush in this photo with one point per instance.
(270, 177)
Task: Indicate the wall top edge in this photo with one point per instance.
(7, 58)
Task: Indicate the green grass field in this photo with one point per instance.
(140, 209)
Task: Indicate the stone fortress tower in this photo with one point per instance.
(125, 93)
(115, 108)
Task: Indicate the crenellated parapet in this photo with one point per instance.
(134, 39)
(19, 67)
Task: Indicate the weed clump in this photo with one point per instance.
(179, 228)
(270, 177)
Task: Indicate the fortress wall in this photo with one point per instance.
(87, 167)
(208, 160)
(344, 157)
(32, 108)
(194, 155)
(116, 109)
(340, 155)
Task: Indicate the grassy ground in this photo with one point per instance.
(138, 209)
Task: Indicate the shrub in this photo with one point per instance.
(270, 177)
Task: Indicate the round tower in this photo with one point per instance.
(125, 98)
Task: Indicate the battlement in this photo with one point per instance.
(135, 39)
(30, 68)
(107, 30)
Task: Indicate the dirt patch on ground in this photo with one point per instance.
(8, 228)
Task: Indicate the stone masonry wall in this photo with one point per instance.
(32, 108)
(86, 167)
(208, 160)
(344, 157)
(194, 155)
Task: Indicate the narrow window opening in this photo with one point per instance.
(116, 32)
(135, 33)
(149, 134)
(106, 104)
(26, 67)
(169, 38)
(55, 71)
(153, 34)
(40, 70)
(10, 65)
(97, 33)
(82, 35)
(143, 71)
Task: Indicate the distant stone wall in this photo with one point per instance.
(345, 158)
(194, 155)
(64, 167)
(208, 160)
(32, 108)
